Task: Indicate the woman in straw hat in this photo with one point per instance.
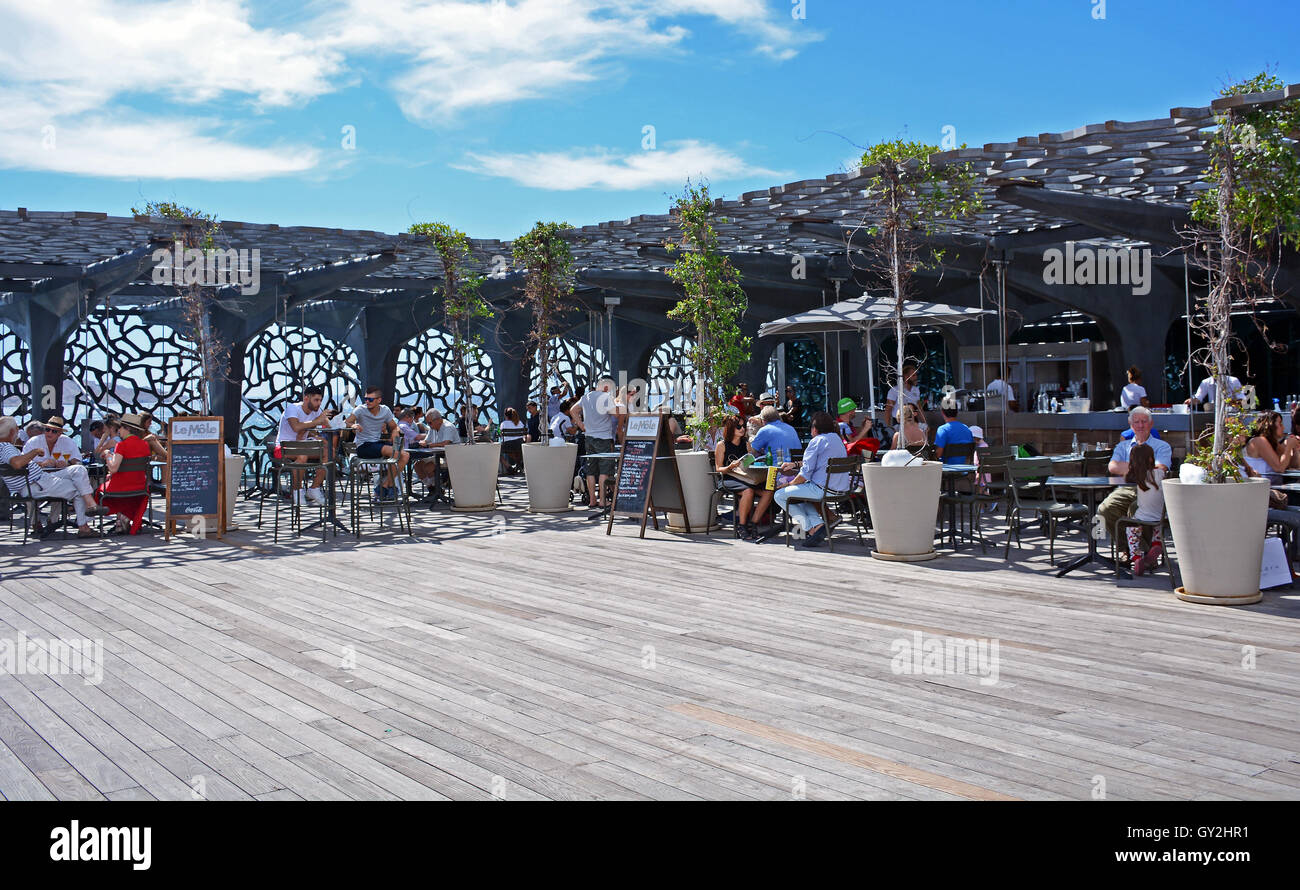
(130, 510)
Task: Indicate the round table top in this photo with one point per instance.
(959, 468)
(1088, 481)
(606, 454)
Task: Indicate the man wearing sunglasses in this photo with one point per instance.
(374, 422)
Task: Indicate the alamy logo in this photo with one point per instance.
(75, 844)
(944, 656)
(209, 268)
(1099, 265)
(24, 655)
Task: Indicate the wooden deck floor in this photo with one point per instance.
(532, 657)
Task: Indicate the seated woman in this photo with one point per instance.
(911, 436)
(130, 511)
(728, 455)
(1268, 451)
(512, 431)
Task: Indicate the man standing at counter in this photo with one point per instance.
(1205, 392)
(1123, 501)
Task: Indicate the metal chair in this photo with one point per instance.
(1096, 463)
(268, 474)
(362, 471)
(961, 502)
(833, 498)
(1024, 497)
(129, 465)
(31, 503)
(1126, 522)
(297, 472)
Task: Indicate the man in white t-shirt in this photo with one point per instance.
(1205, 392)
(596, 414)
(60, 458)
(297, 424)
(440, 433)
(1000, 387)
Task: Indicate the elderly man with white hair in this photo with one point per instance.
(69, 484)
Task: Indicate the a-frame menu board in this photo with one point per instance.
(196, 475)
(647, 452)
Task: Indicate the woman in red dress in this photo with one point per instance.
(130, 510)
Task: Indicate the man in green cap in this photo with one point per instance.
(844, 412)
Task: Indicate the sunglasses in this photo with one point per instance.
(372, 398)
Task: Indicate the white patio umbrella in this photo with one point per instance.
(866, 314)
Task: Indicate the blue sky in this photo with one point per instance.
(493, 114)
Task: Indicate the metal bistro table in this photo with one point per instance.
(436, 491)
(331, 436)
(1091, 487)
(951, 473)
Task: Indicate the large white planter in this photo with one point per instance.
(904, 502)
(548, 470)
(697, 486)
(1219, 535)
(234, 469)
(473, 471)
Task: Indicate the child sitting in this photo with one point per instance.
(1143, 472)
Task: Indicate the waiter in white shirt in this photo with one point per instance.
(999, 387)
(1205, 392)
(910, 394)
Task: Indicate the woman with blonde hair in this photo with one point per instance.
(911, 436)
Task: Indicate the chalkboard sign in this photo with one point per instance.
(647, 472)
(196, 474)
(634, 476)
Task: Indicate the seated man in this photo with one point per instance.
(296, 424)
(776, 436)
(1123, 501)
(60, 457)
(813, 480)
(952, 432)
(374, 422)
(440, 433)
(62, 482)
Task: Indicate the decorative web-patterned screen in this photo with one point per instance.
(15, 374)
(671, 374)
(424, 379)
(572, 360)
(117, 362)
(279, 363)
(805, 370)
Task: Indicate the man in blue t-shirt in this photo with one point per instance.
(953, 432)
(776, 436)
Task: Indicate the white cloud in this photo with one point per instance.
(116, 78)
(601, 168)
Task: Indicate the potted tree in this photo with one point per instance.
(712, 304)
(209, 354)
(909, 198)
(1240, 225)
(545, 256)
(472, 467)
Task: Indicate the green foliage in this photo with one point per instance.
(713, 303)
(1225, 464)
(204, 237)
(1259, 146)
(545, 256)
(463, 303)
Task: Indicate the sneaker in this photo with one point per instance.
(388, 495)
(1152, 558)
(1139, 564)
(316, 496)
(87, 532)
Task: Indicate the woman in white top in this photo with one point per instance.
(1269, 451)
(511, 428)
(560, 423)
(1134, 393)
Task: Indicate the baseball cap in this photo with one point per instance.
(846, 406)
(977, 432)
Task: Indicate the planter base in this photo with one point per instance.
(1244, 599)
(904, 557)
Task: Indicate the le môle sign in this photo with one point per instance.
(196, 475)
(647, 451)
